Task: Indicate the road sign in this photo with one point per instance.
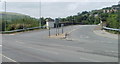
(56, 21)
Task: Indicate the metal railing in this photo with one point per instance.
(20, 30)
(24, 29)
(113, 29)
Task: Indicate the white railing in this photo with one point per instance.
(106, 28)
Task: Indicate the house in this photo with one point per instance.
(49, 23)
(95, 15)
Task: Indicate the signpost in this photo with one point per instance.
(62, 28)
(57, 26)
(49, 31)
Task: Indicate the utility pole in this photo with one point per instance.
(5, 17)
(40, 16)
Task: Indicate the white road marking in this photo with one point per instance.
(20, 42)
(67, 46)
(72, 30)
(0, 45)
(83, 36)
(8, 58)
(91, 60)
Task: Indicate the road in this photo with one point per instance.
(82, 45)
(0, 48)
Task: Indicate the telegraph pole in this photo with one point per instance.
(40, 16)
(5, 17)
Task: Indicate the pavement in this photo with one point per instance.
(81, 45)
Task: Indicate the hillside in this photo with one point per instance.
(109, 16)
(14, 21)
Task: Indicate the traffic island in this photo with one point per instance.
(60, 36)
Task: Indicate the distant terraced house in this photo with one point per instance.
(114, 8)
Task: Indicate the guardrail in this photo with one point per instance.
(106, 28)
(20, 30)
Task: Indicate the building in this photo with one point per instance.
(96, 15)
(49, 23)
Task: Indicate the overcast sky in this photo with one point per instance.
(55, 8)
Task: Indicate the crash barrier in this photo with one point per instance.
(24, 29)
(106, 28)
